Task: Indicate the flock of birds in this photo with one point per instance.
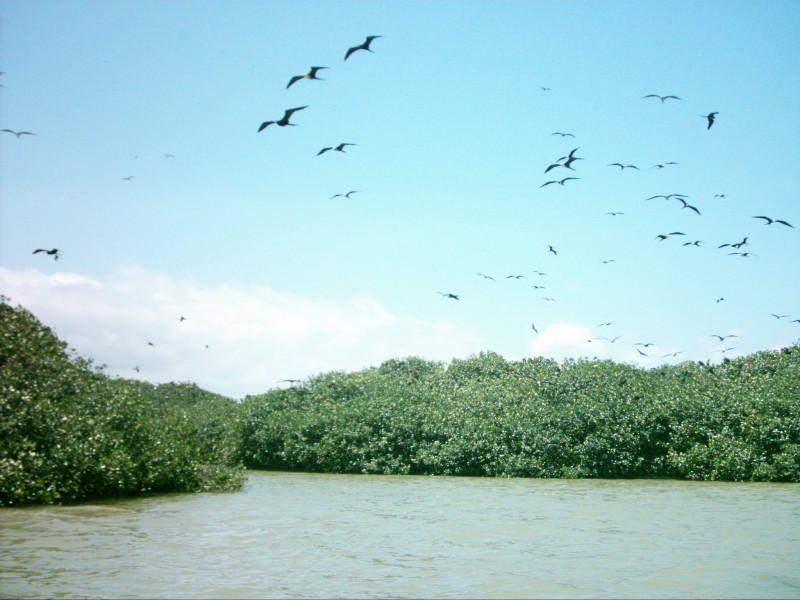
(568, 162)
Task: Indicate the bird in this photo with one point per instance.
(290, 381)
(568, 160)
(347, 195)
(606, 324)
(545, 89)
(710, 117)
(645, 344)
(664, 236)
(538, 287)
(514, 276)
(182, 319)
(19, 133)
(720, 300)
(779, 316)
(485, 276)
(363, 46)
(687, 205)
(54, 252)
(312, 74)
(609, 339)
(540, 273)
(169, 155)
(549, 299)
(667, 197)
(640, 352)
(614, 214)
(694, 243)
(605, 262)
(737, 244)
(562, 134)
(742, 254)
(719, 195)
(136, 369)
(533, 326)
(722, 338)
(553, 250)
(452, 296)
(150, 344)
(561, 182)
(128, 178)
(768, 221)
(284, 120)
(673, 353)
(662, 98)
(663, 165)
(339, 148)
(726, 350)
(623, 167)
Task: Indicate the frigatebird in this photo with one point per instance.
(710, 117)
(722, 338)
(568, 160)
(664, 236)
(667, 197)
(553, 250)
(533, 326)
(768, 221)
(284, 120)
(364, 46)
(448, 295)
(19, 133)
(347, 195)
(623, 167)
(339, 148)
(662, 98)
(562, 134)
(736, 245)
(661, 166)
(687, 205)
(312, 74)
(561, 182)
(485, 276)
(52, 252)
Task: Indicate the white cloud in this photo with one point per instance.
(566, 340)
(235, 340)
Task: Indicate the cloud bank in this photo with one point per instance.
(234, 340)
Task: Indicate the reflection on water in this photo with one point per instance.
(302, 535)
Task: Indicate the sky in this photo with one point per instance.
(148, 173)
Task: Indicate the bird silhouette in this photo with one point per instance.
(614, 214)
(19, 133)
(568, 160)
(533, 326)
(687, 205)
(54, 252)
(694, 243)
(312, 74)
(363, 46)
(778, 316)
(645, 344)
(640, 352)
(182, 319)
(561, 182)
(623, 167)
(737, 244)
(545, 89)
(605, 262)
(514, 276)
(768, 221)
(128, 178)
(720, 300)
(562, 134)
(662, 98)
(151, 344)
(284, 120)
(606, 324)
(290, 381)
(339, 148)
(485, 276)
(663, 165)
(710, 117)
(722, 338)
(667, 197)
(347, 195)
(664, 236)
(742, 254)
(553, 250)
(448, 295)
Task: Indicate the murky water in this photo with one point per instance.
(301, 535)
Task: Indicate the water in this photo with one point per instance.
(304, 535)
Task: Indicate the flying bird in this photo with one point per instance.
(312, 74)
(339, 148)
(779, 316)
(128, 178)
(448, 295)
(562, 134)
(742, 254)
(364, 46)
(19, 133)
(553, 250)
(614, 214)
(568, 160)
(485, 276)
(663, 165)
(561, 182)
(169, 155)
(736, 245)
(662, 98)
(545, 89)
(150, 344)
(710, 117)
(646, 345)
(623, 167)
(606, 324)
(533, 326)
(768, 221)
(182, 319)
(664, 236)
(720, 300)
(722, 338)
(687, 205)
(605, 262)
(640, 352)
(694, 243)
(347, 195)
(667, 197)
(54, 252)
(284, 120)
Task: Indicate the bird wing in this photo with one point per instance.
(264, 125)
(293, 80)
(351, 50)
(784, 223)
(324, 150)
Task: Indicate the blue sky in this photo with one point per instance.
(237, 231)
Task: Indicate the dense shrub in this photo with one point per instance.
(68, 432)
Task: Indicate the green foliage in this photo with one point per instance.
(68, 432)
(737, 421)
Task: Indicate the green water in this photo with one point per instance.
(310, 535)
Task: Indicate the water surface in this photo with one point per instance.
(360, 536)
